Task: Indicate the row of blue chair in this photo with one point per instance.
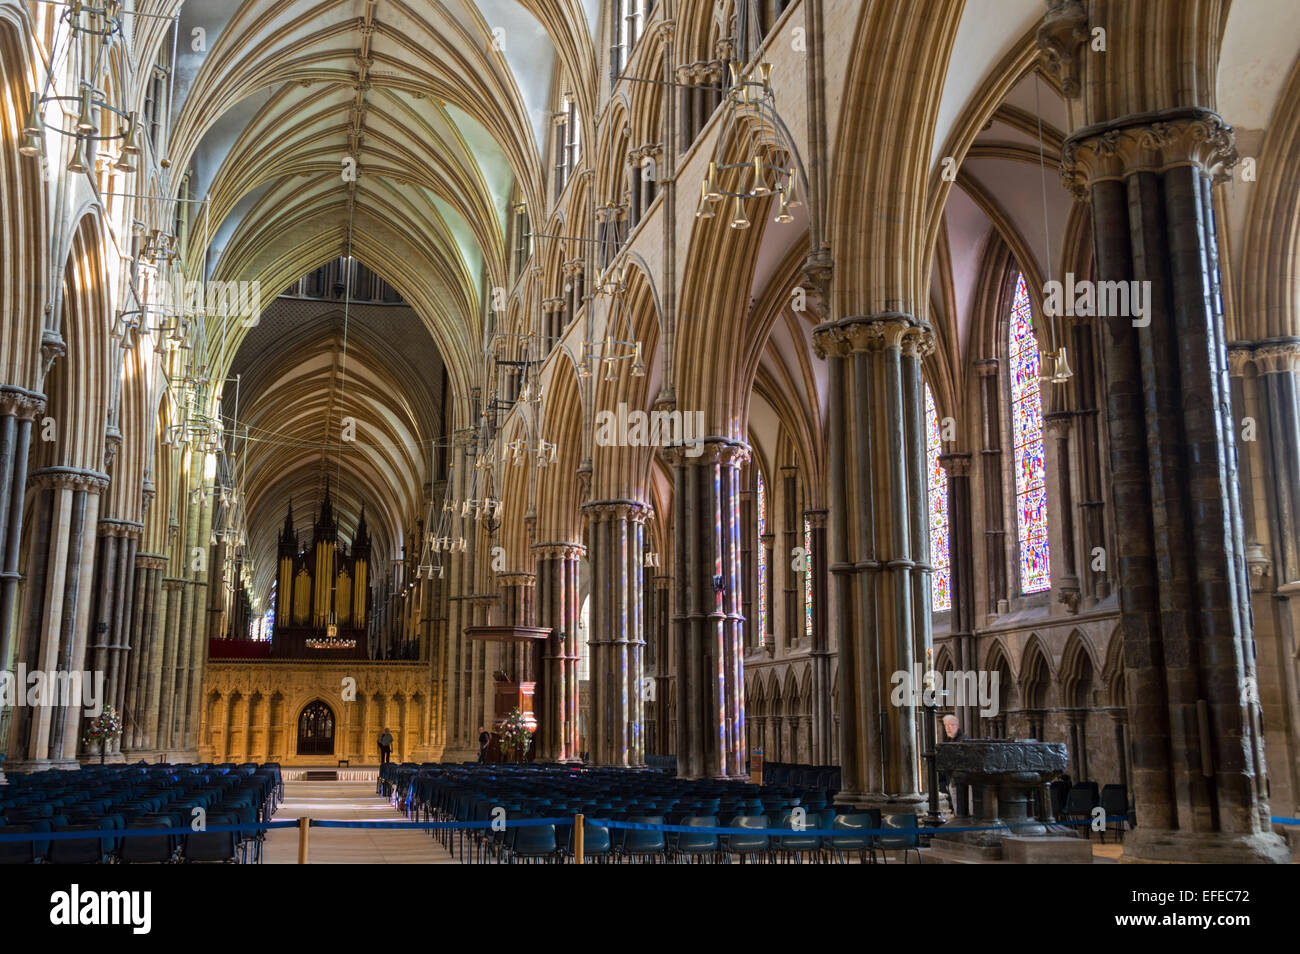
(602, 843)
(478, 794)
(119, 798)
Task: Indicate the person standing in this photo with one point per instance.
(385, 746)
(484, 738)
(957, 794)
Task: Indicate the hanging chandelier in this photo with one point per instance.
(612, 284)
(757, 176)
(90, 105)
(1054, 364)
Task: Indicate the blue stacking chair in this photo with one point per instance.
(698, 846)
(854, 840)
(212, 847)
(640, 845)
(795, 847)
(908, 837)
(748, 846)
(533, 844)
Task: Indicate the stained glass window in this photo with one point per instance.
(1027, 444)
(940, 596)
(761, 498)
(808, 578)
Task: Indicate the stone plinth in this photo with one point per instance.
(1004, 774)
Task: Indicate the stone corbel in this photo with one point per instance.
(1259, 565)
(816, 284)
(53, 347)
(1063, 31)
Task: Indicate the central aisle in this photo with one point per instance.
(347, 801)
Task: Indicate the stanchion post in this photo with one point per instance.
(579, 837)
(304, 827)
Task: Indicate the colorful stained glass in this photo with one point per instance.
(808, 578)
(761, 498)
(937, 477)
(1027, 443)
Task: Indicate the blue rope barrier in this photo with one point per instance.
(114, 833)
(430, 826)
(137, 832)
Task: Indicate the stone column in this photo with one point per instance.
(460, 729)
(114, 600)
(615, 532)
(1266, 404)
(60, 564)
(961, 582)
(995, 535)
(664, 666)
(1092, 508)
(557, 607)
(169, 682)
(820, 753)
(1198, 760)
(791, 537)
(18, 409)
(709, 632)
(879, 540)
(1065, 577)
(147, 644)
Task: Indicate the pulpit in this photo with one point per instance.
(512, 693)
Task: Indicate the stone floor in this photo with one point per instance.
(347, 801)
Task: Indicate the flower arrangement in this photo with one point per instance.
(516, 737)
(103, 729)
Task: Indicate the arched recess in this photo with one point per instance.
(996, 660)
(316, 725)
(558, 489)
(623, 472)
(715, 360)
(24, 226)
(79, 385)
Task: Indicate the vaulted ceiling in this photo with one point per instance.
(399, 133)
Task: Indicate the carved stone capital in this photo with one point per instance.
(151, 561)
(1278, 356)
(59, 478)
(918, 343)
(518, 578)
(1058, 423)
(1064, 29)
(21, 403)
(122, 529)
(559, 551)
(986, 367)
(830, 342)
(632, 510)
(1240, 358)
(816, 519)
(955, 465)
(706, 452)
(1148, 142)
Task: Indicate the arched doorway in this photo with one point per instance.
(316, 730)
